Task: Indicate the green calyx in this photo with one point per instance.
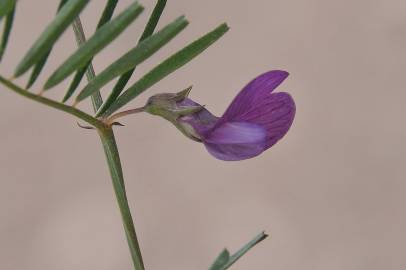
(167, 105)
(171, 107)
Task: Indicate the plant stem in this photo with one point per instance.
(54, 104)
(113, 160)
(111, 119)
(97, 100)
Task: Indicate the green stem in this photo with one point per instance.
(113, 160)
(97, 100)
(111, 119)
(54, 104)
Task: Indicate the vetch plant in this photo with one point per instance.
(255, 120)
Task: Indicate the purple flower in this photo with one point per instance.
(254, 121)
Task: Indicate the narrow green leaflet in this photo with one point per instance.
(37, 69)
(5, 7)
(51, 34)
(168, 66)
(154, 19)
(95, 44)
(107, 13)
(6, 32)
(134, 57)
(41, 62)
(224, 260)
(221, 260)
(106, 16)
(122, 81)
(75, 82)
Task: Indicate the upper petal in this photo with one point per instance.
(257, 104)
(254, 93)
(276, 115)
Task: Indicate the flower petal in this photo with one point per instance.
(237, 132)
(275, 113)
(257, 104)
(236, 141)
(253, 94)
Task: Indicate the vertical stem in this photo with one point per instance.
(113, 161)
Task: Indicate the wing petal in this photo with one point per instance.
(236, 141)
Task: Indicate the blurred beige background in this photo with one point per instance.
(331, 193)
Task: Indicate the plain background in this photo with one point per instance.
(331, 193)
